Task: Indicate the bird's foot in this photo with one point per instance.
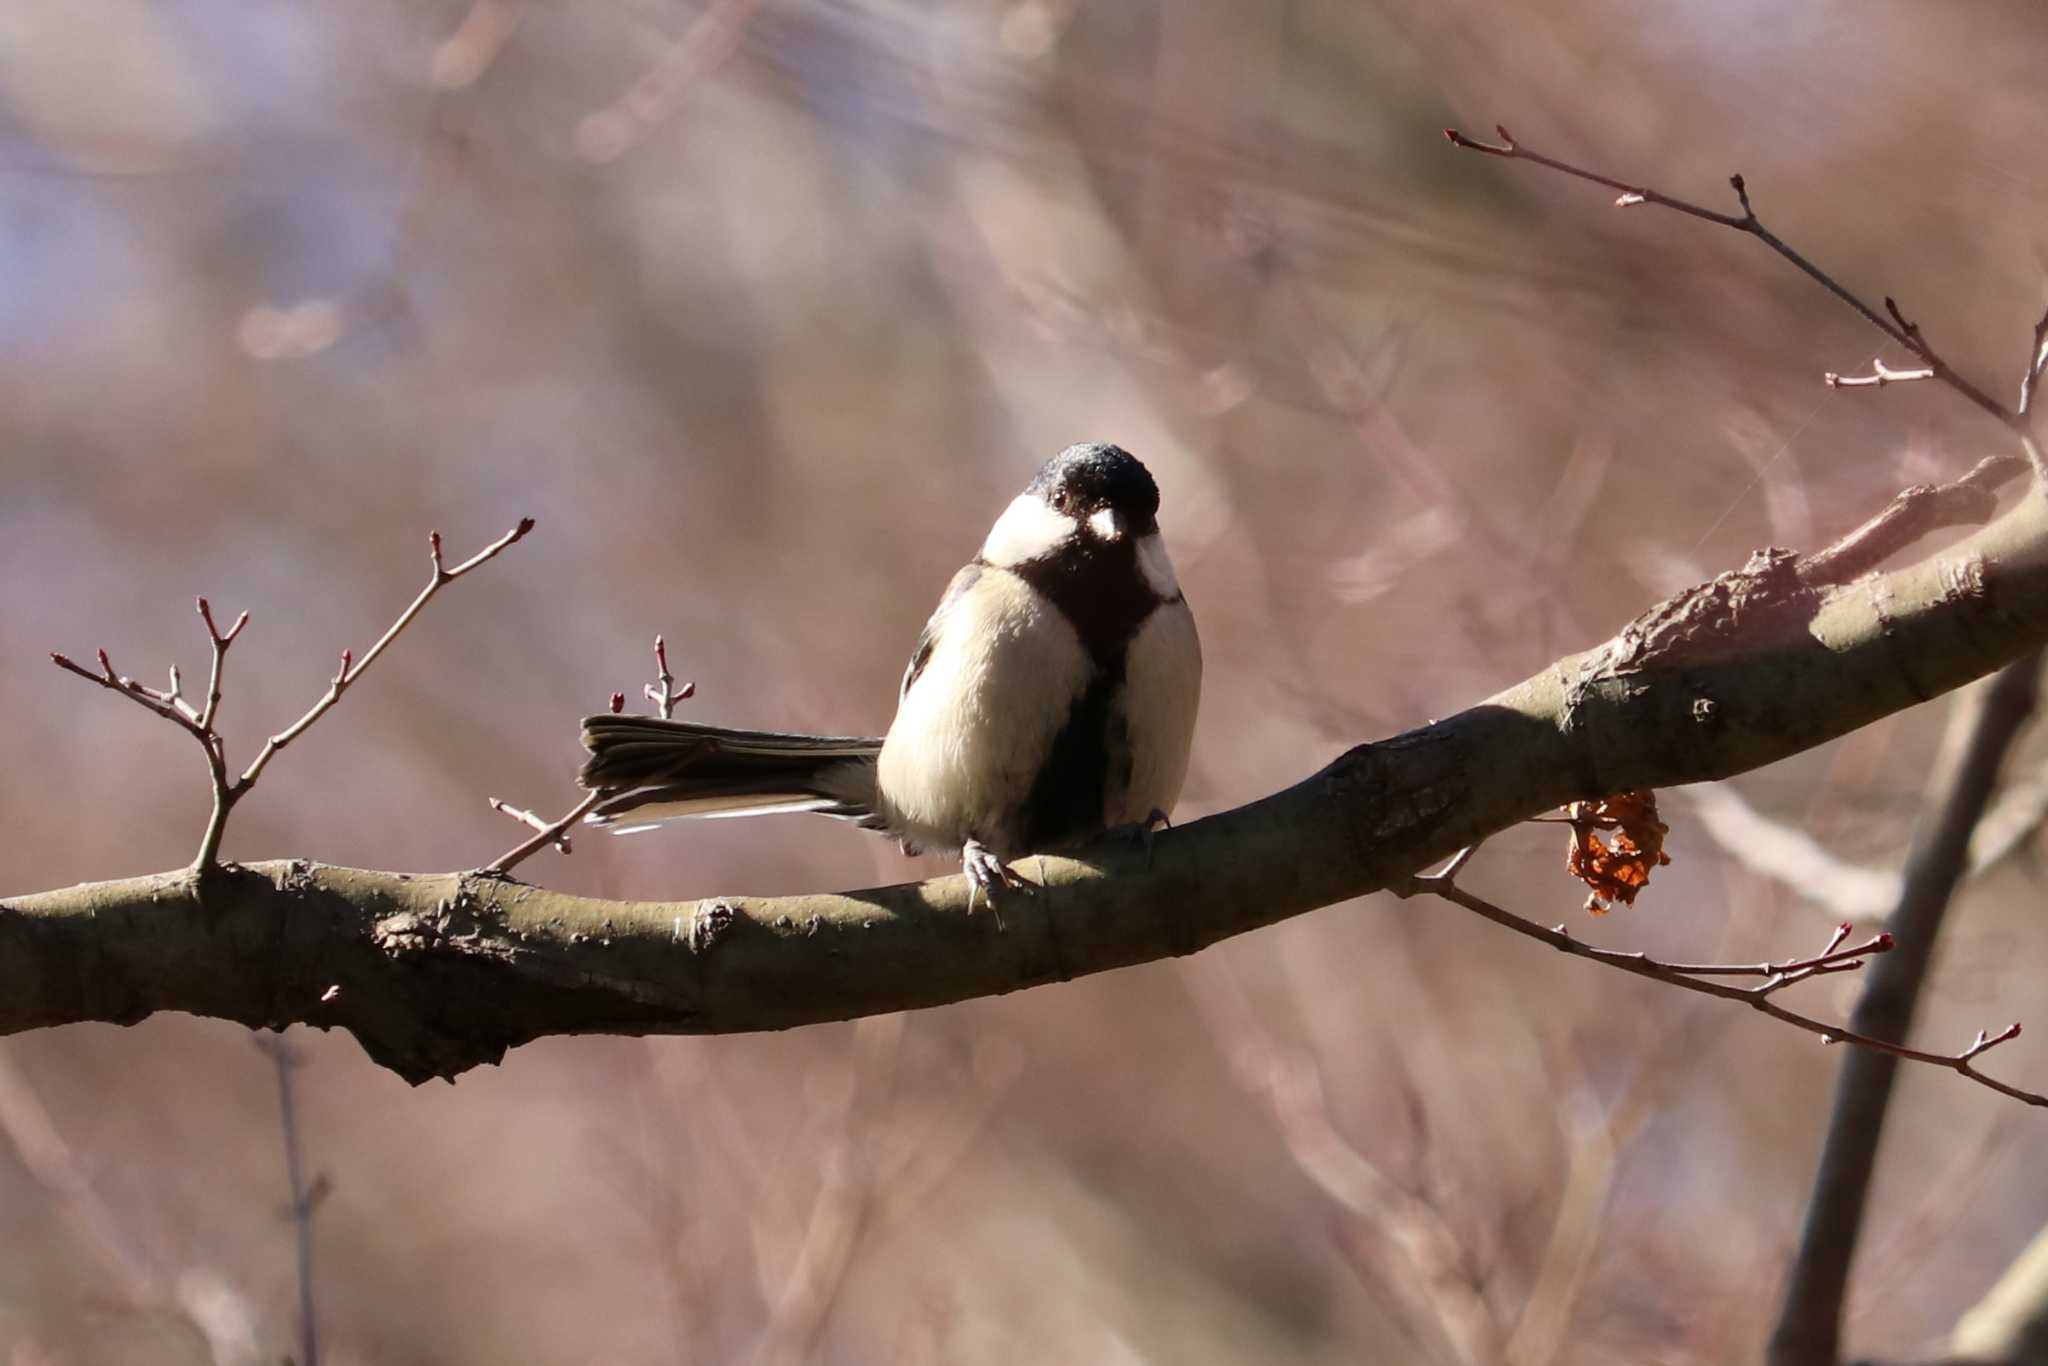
(985, 873)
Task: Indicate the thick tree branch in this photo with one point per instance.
(436, 974)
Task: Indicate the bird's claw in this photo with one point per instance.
(985, 873)
(1145, 831)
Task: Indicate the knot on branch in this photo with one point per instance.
(1711, 621)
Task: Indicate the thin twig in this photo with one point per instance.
(352, 668)
(1879, 376)
(549, 834)
(1895, 326)
(529, 819)
(129, 688)
(1699, 977)
(666, 696)
(199, 722)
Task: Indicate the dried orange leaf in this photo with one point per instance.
(1617, 868)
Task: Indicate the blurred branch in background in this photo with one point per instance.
(1982, 728)
(305, 1195)
(1399, 1244)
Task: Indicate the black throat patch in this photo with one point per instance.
(1098, 587)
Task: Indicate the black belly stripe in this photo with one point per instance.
(1090, 756)
(1099, 589)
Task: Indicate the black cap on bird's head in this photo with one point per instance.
(1094, 477)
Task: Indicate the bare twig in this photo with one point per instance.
(1981, 732)
(1699, 977)
(1894, 326)
(305, 1197)
(1879, 376)
(530, 820)
(352, 668)
(129, 688)
(549, 834)
(199, 722)
(666, 695)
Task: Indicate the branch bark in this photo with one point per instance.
(438, 973)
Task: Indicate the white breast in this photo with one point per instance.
(1162, 687)
(972, 732)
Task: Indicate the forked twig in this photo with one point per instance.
(1892, 322)
(664, 694)
(550, 833)
(532, 821)
(1700, 977)
(199, 721)
(1879, 376)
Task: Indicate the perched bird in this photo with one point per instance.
(1051, 697)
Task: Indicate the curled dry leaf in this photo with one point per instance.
(1618, 868)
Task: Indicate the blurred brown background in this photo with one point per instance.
(764, 310)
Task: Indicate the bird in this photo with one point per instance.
(1050, 699)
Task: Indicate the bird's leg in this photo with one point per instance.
(985, 872)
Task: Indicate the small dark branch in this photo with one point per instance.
(527, 818)
(1631, 195)
(549, 834)
(665, 696)
(1911, 514)
(305, 1198)
(1879, 376)
(1829, 959)
(1911, 329)
(129, 688)
(1895, 326)
(1699, 977)
(219, 640)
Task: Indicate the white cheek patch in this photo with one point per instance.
(1104, 524)
(1156, 567)
(1026, 530)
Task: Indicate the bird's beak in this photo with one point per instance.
(1106, 525)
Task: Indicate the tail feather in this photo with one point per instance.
(662, 770)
